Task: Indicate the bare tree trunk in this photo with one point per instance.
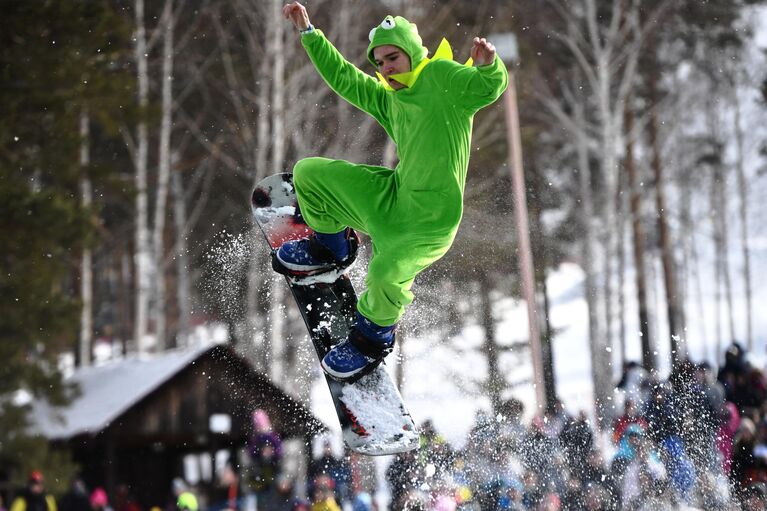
(691, 264)
(601, 350)
(183, 294)
(255, 321)
(494, 382)
(606, 49)
(276, 330)
(541, 296)
(588, 242)
(743, 193)
(262, 126)
(342, 43)
(143, 254)
(725, 257)
(399, 377)
(259, 282)
(163, 176)
(718, 260)
(278, 89)
(648, 356)
(654, 297)
(83, 353)
(547, 348)
(249, 92)
(719, 212)
(621, 227)
(695, 270)
(124, 306)
(608, 163)
(673, 306)
(276, 305)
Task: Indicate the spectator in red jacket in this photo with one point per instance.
(630, 416)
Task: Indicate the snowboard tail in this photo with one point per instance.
(370, 410)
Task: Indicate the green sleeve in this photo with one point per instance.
(349, 82)
(476, 87)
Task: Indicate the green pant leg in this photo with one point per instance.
(392, 270)
(334, 194)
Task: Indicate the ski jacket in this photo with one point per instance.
(28, 501)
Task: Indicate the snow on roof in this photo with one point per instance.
(108, 390)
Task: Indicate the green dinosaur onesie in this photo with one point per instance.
(411, 213)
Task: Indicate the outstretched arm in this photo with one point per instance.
(480, 85)
(356, 87)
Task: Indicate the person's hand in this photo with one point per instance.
(296, 13)
(482, 52)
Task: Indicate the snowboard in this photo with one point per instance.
(374, 420)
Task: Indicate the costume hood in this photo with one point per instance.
(399, 32)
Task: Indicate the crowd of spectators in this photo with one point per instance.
(696, 440)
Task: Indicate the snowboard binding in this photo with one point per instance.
(373, 352)
(331, 270)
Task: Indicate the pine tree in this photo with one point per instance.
(57, 58)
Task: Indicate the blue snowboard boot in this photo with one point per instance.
(318, 253)
(361, 352)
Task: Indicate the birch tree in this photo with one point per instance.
(245, 88)
(277, 24)
(85, 342)
(744, 206)
(604, 40)
(719, 212)
(143, 253)
(638, 237)
(150, 253)
(163, 174)
(674, 309)
(183, 287)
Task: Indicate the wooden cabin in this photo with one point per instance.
(144, 420)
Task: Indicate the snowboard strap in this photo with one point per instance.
(324, 254)
(371, 349)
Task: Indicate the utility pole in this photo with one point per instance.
(506, 46)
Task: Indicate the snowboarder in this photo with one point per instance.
(411, 213)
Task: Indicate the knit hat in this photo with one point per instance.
(399, 32)
(99, 498)
(261, 421)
